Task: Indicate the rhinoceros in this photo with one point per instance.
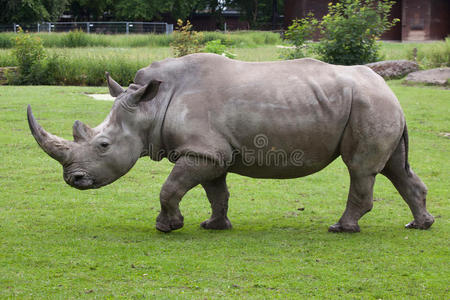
(211, 115)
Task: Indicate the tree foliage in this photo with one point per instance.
(31, 11)
(256, 12)
(89, 10)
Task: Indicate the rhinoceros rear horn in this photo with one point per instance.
(54, 146)
(114, 88)
(81, 132)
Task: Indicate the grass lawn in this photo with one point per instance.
(143, 56)
(59, 242)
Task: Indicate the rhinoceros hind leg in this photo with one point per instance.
(186, 174)
(410, 187)
(360, 201)
(217, 193)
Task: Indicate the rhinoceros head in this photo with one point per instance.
(98, 156)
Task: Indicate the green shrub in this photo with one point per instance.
(217, 47)
(186, 41)
(350, 31)
(299, 34)
(76, 38)
(30, 55)
(64, 70)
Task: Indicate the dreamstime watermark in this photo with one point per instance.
(260, 154)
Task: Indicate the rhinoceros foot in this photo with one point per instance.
(429, 220)
(338, 227)
(219, 223)
(166, 224)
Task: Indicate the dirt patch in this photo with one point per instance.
(445, 134)
(102, 97)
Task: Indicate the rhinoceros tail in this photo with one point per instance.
(406, 143)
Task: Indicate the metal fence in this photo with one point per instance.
(93, 27)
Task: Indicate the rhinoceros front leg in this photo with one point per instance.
(217, 193)
(188, 172)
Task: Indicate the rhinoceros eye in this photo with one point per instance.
(104, 145)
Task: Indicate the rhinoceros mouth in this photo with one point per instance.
(80, 180)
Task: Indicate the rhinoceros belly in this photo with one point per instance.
(285, 132)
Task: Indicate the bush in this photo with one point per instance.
(217, 47)
(186, 41)
(349, 32)
(351, 29)
(299, 34)
(76, 38)
(30, 55)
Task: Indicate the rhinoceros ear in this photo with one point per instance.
(114, 88)
(145, 93)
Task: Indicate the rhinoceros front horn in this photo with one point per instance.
(54, 146)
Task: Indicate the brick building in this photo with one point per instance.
(419, 19)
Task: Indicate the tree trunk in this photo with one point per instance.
(255, 12)
(274, 13)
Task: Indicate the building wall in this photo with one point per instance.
(440, 23)
(419, 19)
(416, 20)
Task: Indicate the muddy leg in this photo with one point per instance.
(410, 187)
(360, 201)
(218, 195)
(186, 174)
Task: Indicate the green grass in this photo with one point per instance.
(429, 54)
(59, 242)
(86, 65)
(80, 39)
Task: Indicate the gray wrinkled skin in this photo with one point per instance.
(205, 112)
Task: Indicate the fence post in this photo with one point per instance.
(49, 27)
(169, 28)
(127, 30)
(38, 25)
(15, 30)
(225, 27)
(88, 30)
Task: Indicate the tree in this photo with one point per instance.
(248, 7)
(257, 12)
(89, 10)
(30, 11)
(144, 10)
